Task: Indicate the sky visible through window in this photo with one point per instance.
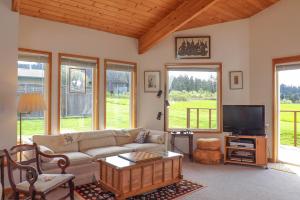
(290, 77)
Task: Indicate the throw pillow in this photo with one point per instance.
(141, 137)
(158, 139)
(122, 137)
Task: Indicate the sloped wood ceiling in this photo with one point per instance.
(135, 18)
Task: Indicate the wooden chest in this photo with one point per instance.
(125, 178)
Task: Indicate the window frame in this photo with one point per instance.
(95, 89)
(133, 95)
(219, 94)
(48, 115)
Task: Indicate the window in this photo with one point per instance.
(78, 89)
(194, 95)
(35, 80)
(120, 94)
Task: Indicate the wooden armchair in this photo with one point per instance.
(37, 184)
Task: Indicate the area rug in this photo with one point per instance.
(93, 191)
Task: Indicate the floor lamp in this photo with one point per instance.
(30, 102)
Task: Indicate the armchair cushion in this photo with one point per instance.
(46, 182)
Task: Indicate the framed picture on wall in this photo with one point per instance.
(236, 80)
(152, 81)
(197, 47)
(77, 79)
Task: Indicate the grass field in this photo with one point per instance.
(118, 112)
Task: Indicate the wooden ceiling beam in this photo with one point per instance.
(15, 5)
(184, 13)
(75, 12)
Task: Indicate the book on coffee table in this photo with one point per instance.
(140, 156)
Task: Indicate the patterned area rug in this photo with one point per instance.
(93, 191)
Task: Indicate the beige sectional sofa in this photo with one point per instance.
(84, 148)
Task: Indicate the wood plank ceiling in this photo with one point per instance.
(135, 18)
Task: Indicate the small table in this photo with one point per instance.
(189, 135)
(126, 179)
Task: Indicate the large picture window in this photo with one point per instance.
(194, 95)
(78, 89)
(120, 94)
(34, 76)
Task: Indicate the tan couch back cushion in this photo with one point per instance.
(126, 136)
(96, 139)
(56, 143)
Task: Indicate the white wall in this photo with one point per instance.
(8, 76)
(63, 38)
(273, 33)
(229, 45)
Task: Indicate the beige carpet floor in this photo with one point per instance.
(233, 182)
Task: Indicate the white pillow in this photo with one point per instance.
(158, 139)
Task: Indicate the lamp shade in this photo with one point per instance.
(31, 102)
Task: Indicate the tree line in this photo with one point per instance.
(289, 94)
(189, 84)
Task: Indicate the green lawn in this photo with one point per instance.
(118, 112)
(287, 124)
(178, 114)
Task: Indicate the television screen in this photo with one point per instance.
(244, 119)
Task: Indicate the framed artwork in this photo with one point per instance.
(192, 47)
(77, 80)
(152, 81)
(236, 80)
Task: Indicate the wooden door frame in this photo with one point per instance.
(275, 62)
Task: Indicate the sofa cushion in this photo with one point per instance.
(107, 151)
(150, 147)
(126, 136)
(76, 158)
(96, 140)
(56, 143)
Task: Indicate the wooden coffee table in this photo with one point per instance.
(126, 178)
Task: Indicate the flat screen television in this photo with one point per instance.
(244, 119)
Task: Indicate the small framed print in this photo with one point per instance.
(77, 79)
(236, 80)
(197, 47)
(152, 81)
